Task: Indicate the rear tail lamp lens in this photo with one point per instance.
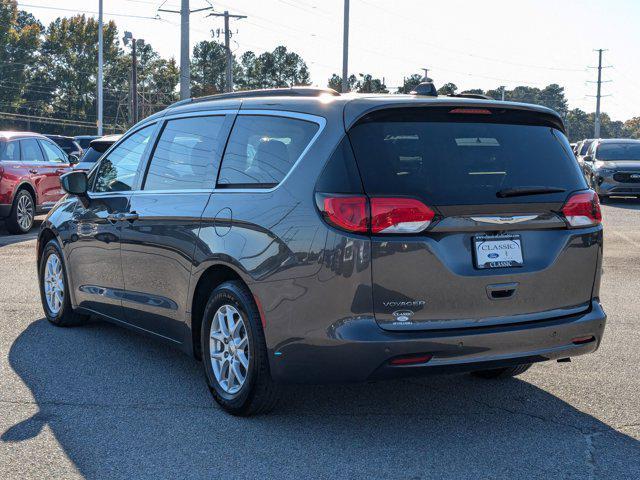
(399, 215)
(347, 213)
(378, 215)
(411, 360)
(583, 210)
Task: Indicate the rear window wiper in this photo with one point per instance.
(522, 191)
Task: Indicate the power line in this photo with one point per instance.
(60, 9)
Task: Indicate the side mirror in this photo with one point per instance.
(74, 182)
(74, 159)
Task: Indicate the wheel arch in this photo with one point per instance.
(210, 278)
(25, 185)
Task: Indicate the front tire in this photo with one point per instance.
(54, 288)
(23, 210)
(234, 352)
(506, 372)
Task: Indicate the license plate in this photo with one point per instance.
(498, 251)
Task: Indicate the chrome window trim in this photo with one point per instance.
(320, 121)
(199, 113)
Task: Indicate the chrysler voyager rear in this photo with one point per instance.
(324, 238)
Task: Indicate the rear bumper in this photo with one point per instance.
(358, 350)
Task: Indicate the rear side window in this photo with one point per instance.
(31, 150)
(585, 147)
(187, 155)
(10, 151)
(91, 155)
(263, 149)
(618, 151)
(52, 152)
(463, 163)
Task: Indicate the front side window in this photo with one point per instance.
(31, 151)
(53, 153)
(10, 151)
(119, 171)
(187, 155)
(263, 149)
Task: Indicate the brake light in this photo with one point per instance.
(348, 213)
(399, 215)
(583, 209)
(471, 111)
(379, 215)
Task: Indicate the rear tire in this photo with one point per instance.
(234, 352)
(23, 210)
(506, 372)
(54, 288)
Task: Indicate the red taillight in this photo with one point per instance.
(583, 209)
(348, 213)
(471, 111)
(379, 215)
(399, 215)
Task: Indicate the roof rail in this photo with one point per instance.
(268, 92)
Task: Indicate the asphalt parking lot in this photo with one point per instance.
(102, 402)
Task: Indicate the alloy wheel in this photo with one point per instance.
(54, 284)
(25, 212)
(229, 349)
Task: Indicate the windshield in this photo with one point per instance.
(463, 163)
(618, 151)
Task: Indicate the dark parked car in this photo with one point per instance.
(68, 144)
(303, 236)
(612, 167)
(85, 140)
(30, 169)
(581, 150)
(95, 150)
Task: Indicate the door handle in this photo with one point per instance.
(115, 217)
(33, 170)
(130, 217)
(60, 170)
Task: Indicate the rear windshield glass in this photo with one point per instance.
(459, 163)
(91, 155)
(618, 151)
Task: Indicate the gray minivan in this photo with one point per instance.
(300, 235)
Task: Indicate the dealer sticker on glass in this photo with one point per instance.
(498, 251)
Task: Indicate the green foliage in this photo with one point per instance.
(364, 84)
(410, 83)
(448, 89)
(276, 69)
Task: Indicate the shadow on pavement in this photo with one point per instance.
(632, 203)
(7, 238)
(125, 406)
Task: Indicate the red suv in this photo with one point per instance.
(30, 169)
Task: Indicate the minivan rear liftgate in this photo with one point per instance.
(476, 217)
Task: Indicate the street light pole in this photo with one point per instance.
(185, 68)
(100, 72)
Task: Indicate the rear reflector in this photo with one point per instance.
(583, 209)
(471, 111)
(583, 340)
(412, 360)
(399, 215)
(347, 213)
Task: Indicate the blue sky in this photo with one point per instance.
(470, 43)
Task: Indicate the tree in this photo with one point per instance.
(448, 89)
(577, 125)
(335, 82)
(632, 128)
(208, 68)
(368, 84)
(20, 40)
(410, 83)
(279, 68)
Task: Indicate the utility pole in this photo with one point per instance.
(228, 84)
(596, 129)
(128, 37)
(185, 63)
(502, 88)
(345, 49)
(100, 72)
